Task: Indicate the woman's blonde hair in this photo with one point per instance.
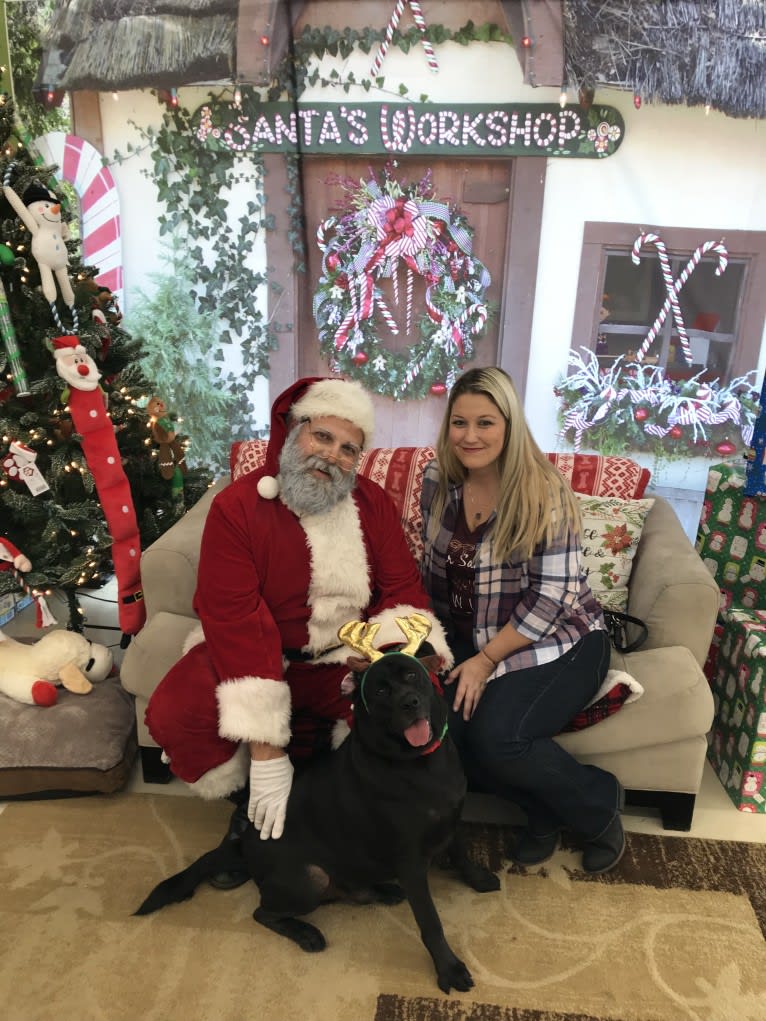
(534, 501)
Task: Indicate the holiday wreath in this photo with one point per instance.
(391, 229)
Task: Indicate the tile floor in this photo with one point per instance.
(715, 816)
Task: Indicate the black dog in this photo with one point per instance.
(376, 810)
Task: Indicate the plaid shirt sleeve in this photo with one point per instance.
(545, 598)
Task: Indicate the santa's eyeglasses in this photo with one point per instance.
(325, 445)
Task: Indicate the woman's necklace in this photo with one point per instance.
(479, 507)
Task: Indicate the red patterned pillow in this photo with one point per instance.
(399, 470)
(597, 475)
(245, 456)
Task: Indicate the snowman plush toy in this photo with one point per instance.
(40, 211)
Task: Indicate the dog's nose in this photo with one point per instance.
(410, 701)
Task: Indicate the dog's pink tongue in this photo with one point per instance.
(418, 733)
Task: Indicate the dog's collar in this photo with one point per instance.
(436, 743)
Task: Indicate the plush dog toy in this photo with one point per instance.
(30, 673)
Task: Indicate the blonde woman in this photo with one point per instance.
(502, 565)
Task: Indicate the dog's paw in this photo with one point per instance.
(389, 893)
(479, 878)
(482, 880)
(454, 976)
(307, 936)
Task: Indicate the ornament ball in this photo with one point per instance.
(437, 389)
(360, 358)
(7, 258)
(726, 447)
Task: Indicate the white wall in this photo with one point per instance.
(676, 166)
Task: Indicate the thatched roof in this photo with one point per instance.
(125, 44)
(708, 53)
(697, 52)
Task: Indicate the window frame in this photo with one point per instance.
(749, 246)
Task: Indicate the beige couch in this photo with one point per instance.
(656, 745)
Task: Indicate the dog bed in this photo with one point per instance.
(85, 744)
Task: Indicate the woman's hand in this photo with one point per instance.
(471, 677)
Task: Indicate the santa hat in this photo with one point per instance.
(68, 344)
(313, 397)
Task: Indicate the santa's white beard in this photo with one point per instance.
(300, 490)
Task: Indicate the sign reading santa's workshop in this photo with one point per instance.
(417, 129)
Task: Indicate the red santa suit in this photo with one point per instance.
(273, 590)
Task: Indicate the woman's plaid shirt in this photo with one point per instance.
(545, 598)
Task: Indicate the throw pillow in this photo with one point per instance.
(599, 475)
(611, 530)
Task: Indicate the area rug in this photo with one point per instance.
(675, 933)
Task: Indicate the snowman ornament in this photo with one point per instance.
(40, 212)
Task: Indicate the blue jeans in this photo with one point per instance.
(507, 746)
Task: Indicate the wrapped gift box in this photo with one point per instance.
(731, 538)
(737, 742)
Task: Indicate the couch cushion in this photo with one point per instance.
(611, 530)
(677, 703)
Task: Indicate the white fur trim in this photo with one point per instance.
(614, 677)
(340, 586)
(343, 398)
(268, 487)
(340, 732)
(195, 637)
(390, 632)
(224, 779)
(254, 709)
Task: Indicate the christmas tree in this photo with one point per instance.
(53, 504)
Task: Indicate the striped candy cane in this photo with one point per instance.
(8, 333)
(387, 317)
(393, 22)
(420, 21)
(674, 286)
(82, 165)
(671, 301)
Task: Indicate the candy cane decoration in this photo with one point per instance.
(82, 166)
(420, 21)
(8, 333)
(673, 287)
(11, 558)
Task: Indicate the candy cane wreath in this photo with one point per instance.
(385, 228)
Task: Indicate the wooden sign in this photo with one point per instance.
(414, 129)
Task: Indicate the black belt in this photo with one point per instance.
(299, 656)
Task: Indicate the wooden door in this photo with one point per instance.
(481, 189)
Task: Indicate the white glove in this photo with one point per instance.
(270, 783)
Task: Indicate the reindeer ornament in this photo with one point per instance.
(40, 212)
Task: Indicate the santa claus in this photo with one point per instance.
(289, 554)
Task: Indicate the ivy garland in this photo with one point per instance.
(190, 180)
(398, 231)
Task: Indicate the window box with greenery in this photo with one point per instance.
(670, 404)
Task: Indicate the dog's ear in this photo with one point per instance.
(357, 664)
(433, 663)
(430, 659)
